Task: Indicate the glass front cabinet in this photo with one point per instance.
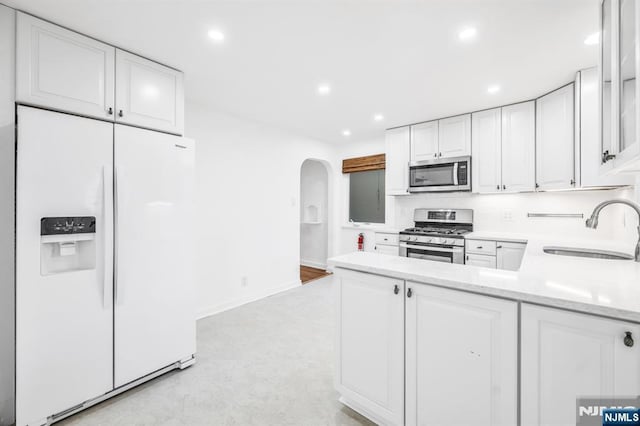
(619, 66)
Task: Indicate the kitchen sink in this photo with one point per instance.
(582, 252)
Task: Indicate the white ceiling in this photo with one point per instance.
(399, 58)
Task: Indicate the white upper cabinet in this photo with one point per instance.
(454, 136)
(149, 94)
(370, 344)
(461, 351)
(397, 148)
(63, 70)
(590, 153)
(620, 149)
(486, 167)
(446, 138)
(566, 355)
(424, 141)
(518, 147)
(555, 148)
(503, 157)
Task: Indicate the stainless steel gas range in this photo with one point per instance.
(438, 235)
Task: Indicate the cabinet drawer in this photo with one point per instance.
(387, 238)
(483, 260)
(481, 247)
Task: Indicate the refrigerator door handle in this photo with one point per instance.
(117, 292)
(107, 215)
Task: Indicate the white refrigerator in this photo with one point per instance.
(104, 243)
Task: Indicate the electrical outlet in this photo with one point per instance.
(507, 215)
(244, 281)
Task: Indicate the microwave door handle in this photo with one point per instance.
(455, 173)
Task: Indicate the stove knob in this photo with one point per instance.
(429, 240)
(415, 238)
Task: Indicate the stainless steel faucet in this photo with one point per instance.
(592, 222)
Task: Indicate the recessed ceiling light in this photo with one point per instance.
(216, 35)
(324, 89)
(378, 117)
(346, 132)
(592, 39)
(467, 34)
(493, 89)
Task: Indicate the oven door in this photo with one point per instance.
(437, 253)
(451, 174)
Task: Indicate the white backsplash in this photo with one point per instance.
(508, 212)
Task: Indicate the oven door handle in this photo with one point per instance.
(432, 248)
(455, 173)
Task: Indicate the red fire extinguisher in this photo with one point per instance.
(361, 242)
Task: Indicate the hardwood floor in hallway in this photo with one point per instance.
(308, 274)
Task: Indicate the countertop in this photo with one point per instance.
(597, 286)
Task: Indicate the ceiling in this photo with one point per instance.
(402, 59)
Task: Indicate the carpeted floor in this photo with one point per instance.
(266, 363)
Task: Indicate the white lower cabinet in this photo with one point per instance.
(387, 243)
(416, 354)
(565, 355)
(389, 250)
(483, 260)
(370, 345)
(461, 358)
(509, 255)
(494, 254)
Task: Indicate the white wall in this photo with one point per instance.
(247, 189)
(314, 198)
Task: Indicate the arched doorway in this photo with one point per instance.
(314, 220)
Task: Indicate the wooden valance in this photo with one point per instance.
(363, 164)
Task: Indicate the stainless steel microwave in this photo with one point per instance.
(440, 175)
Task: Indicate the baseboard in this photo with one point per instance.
(207, 312)
(313, 264)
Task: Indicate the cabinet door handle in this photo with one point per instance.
(439, 154)
(607, 157)
(435, 155)
(498, 187)
(538, 185)
(110, 111)
(573, 182)
(628, 339)
(409, 292)
(504, 186)
(120, 113)
(498, 247)
(479, 248)
(396, 289)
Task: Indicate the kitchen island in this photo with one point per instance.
(423, 342)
